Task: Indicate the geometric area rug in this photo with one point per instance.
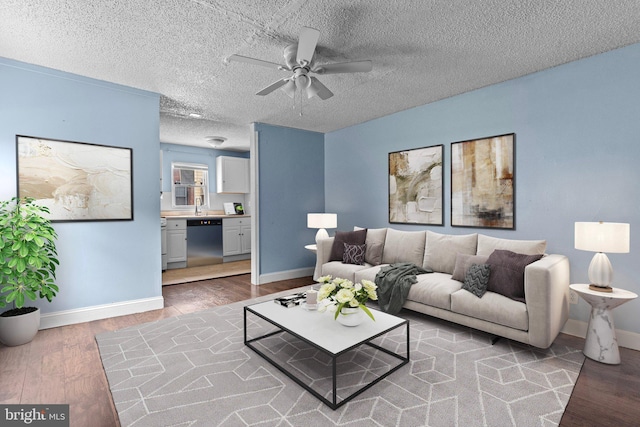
(194, 370)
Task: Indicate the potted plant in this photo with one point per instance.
(346, 299)
(28, 260)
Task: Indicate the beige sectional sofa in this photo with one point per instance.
(536, 321)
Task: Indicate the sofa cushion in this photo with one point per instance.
(403, 246)
(441, 250)
(434, 289)
(463, 262)
(507, 273)
(368, 273)
(477, 279)
(492, 307)
(339, 269)
(375, 244)
(353, 254)
(487, 244)
(349, 237)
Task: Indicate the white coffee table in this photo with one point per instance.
(322, 332)
(601, 343)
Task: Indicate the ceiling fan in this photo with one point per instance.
(299, 60)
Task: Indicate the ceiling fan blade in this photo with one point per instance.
(317, 88)
(345, 67)
(307, 42)
(273, 86)
(260, 62)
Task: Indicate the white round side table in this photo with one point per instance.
(601, 343)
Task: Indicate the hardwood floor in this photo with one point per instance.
(62, 365)
(206, 272)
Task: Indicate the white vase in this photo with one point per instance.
(18, 330)
(351, 316)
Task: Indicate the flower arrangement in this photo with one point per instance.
(341, 293)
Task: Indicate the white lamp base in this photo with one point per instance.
(600, 273)
(321, 234)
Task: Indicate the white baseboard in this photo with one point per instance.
(626, 339)
(97, 312)
(286, 275)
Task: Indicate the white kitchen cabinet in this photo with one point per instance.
(236, 236)
(232, 175)
(176, 241)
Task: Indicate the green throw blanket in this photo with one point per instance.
(394, 282)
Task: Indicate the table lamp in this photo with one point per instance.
(321, 221)
(601, 237)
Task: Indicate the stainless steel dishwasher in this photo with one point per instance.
(204, 242)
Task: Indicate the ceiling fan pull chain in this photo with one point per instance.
(301, 100)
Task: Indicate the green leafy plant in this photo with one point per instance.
(28, 255)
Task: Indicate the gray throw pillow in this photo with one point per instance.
(353, 254)
(350, 237)
(477, 279)
(373, 253)
(441, 250)
(463, 262)
(507, 273)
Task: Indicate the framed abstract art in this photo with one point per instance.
(77, 181)
(416, 190)
(483, 182)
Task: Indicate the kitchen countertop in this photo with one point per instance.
(204, 215)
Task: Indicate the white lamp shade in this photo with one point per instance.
(322, 220)
(611, 237)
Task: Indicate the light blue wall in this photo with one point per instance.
(577, 159)
(291, 185)
(100, 262)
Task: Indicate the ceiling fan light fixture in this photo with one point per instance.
(215, 141)
(290, 89)
(311, 91)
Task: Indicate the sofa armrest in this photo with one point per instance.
(323, 252)
(546, 289)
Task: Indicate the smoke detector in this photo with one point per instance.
(215, 141)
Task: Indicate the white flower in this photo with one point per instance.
(325, 290)
(369, 285)
(348, 284)
(344, 295)
(354, 303)
(325, 279)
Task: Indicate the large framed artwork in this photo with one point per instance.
(416, 190)
(483, 182)
(77, 181)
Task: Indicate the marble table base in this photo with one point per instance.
(601, 343)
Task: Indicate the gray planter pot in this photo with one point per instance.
(18, 330)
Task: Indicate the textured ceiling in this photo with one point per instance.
(422, 51)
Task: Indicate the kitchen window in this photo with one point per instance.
(190, 184)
